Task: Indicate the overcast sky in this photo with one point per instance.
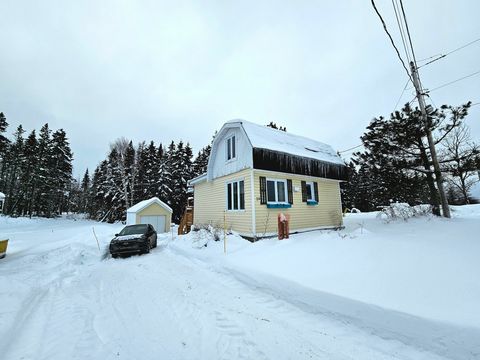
(154, 70)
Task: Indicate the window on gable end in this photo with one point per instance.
(231, 148)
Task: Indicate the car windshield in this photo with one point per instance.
(134, 229)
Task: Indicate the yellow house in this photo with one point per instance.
(255, 173)
(152, 211)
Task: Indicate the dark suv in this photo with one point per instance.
(134, 239)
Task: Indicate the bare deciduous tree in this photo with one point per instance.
(461, 153)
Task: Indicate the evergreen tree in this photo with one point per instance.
(273, 125)
(13, 160)
(60, 176)
(100, 208)
(41, 183)
(142, 168)
(152, 168)
(200, 163)
(397, 152)
(3, 140)
(129, 174)
(27, 178)
(167, 174)
(85, 194)
(4, 143)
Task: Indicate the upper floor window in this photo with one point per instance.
(231, 148)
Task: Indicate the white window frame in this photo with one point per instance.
(311, 196)
(233, 197)
(232, 139)
(275, 181)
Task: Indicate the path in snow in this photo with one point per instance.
(60, 300)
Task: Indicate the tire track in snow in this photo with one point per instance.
(25, 322)
(235, 343)
(310, 335)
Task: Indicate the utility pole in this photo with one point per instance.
(431, 144)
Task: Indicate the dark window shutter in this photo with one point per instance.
(304, 191)
(290, 191)
(315, 190)
(263, 190)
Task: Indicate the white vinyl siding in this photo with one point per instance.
(219, 164)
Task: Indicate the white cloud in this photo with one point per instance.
(170, 70)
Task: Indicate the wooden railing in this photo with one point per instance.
(186, 222)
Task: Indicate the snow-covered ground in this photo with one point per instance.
(403, 290)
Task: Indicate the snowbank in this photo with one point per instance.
(418, 277)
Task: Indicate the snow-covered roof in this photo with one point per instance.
(198, 179)
(143, 204)
(264, 137)
(2, 195)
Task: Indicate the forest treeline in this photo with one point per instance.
(131, 173)
(395, 165)
(36, 175)
(35, 171)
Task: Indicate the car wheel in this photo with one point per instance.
(155, 243)
(114, 256)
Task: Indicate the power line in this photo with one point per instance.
(441, 56)
(430, 57)
(408, 33)
(401, 95)
(463, 46)
(400, 28)
(390, 37)
(352, 148)
(455, 81)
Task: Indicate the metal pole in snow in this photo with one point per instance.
(431, 143)
(98, 244)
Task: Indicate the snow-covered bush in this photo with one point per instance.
(403, 211)
(202, 234)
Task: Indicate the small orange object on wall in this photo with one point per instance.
(283, 228)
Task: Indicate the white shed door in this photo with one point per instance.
(158, 222)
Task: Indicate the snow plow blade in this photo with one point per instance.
(3, 248)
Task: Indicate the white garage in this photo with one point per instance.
(152, 211)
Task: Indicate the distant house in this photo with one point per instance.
(256, 172)
(152, 211)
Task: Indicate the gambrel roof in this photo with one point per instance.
(264, 148)
(263, 137)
